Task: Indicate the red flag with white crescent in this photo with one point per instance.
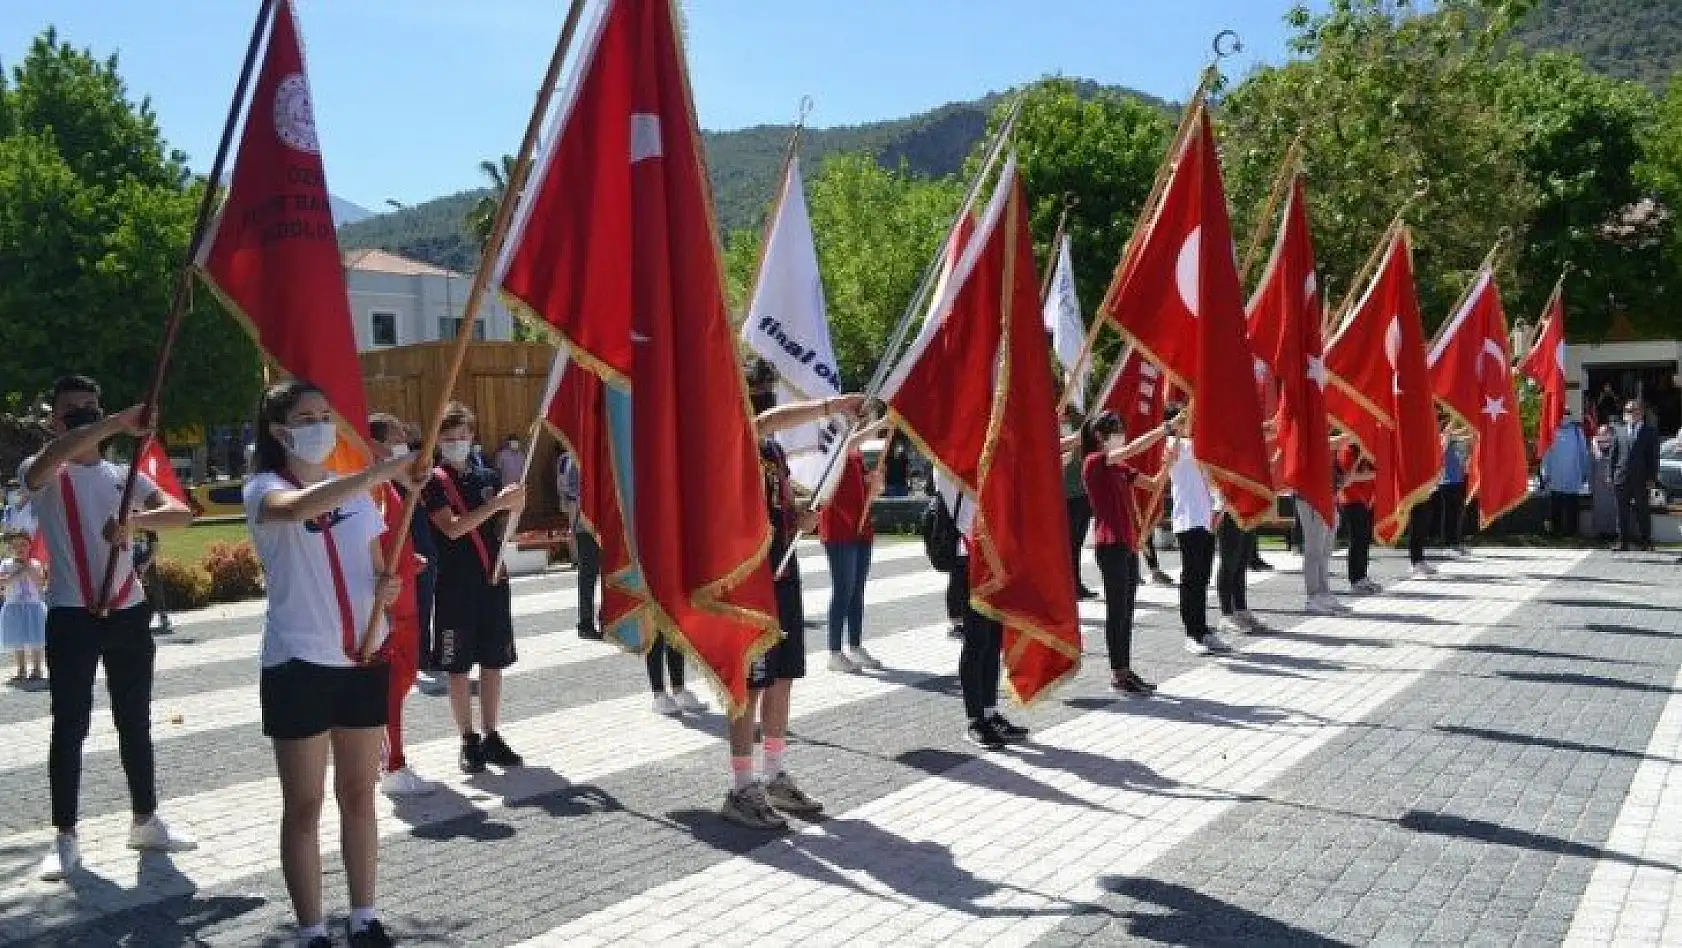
(1544, 364)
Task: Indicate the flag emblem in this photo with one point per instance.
(294, 114)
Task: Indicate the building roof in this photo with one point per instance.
(384, 261)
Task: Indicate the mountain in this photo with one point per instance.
(344, 212)
(1630, 39)
(743, 164)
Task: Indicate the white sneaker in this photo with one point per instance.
(1231, 625)
(864, 659)
(1209, 644)
(404, 782)
(687, 702)
(1253, 625)
(838, 662)
(1424, 571)
(667, 705)
(1320, 606)
(155, 834)
(64, 858)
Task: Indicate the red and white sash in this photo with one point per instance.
(442, 478)
(341, 589)
(79, 549)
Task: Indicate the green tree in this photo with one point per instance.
(1387, 95)
(1096, 154)
(482, 216)
(875, 230)
(95, 216)
(1580, 144)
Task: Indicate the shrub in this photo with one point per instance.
(183, 585)
(235, 572)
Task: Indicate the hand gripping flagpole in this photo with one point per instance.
(896, 340)
(481, 283)
(1225, 44)
(183, 297)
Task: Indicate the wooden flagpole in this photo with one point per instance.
(481, 281)
(1488, 263)
(790, 150)
(1264, 223)
(1358, 283)
(1533, 332)
(1147, 214)
(182, 299)
(1057, 235)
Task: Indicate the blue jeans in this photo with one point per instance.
(849, 567)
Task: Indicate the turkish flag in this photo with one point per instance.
(1544, 364)
(592, 421)
(1284, 318)
(615, 247)
(272, 255)
(1179, 301)
(998, 435)
(1137, 393)
(1379, 390)
(154, 463)
(1471, 376)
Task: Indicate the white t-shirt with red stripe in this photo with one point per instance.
(98, 489)
(304, 620)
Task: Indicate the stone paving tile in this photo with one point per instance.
(1471, 809)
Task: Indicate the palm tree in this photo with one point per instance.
(483, 214)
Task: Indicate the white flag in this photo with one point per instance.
(1062, 320)
(787, 326)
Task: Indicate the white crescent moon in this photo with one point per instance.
(1188, 268)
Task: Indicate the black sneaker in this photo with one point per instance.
(1130, 684)
(374, 936)
(1260, 565)
(982, 734)
(1010, 732)
(472, 754)
(496, 751)
(590, 633)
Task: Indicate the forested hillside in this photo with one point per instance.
(1630, 39)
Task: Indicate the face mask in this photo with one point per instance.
(455, 452)
(513, 445)
(312, 443)
(762, 401)
(81, 416)
(399, 450)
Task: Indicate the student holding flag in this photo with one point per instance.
(75, 493)
(475, 623)
(1110, 482)
(319, 538)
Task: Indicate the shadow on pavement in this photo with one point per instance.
(1588, 681)
(1191, 918)
(1459, 827)
(1531, 740)
(983, 772)
(168, 922)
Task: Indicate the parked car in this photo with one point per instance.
(1670, 469)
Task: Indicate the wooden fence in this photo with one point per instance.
(501, 381)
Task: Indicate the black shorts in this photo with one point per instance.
(787, 659)
(300, 699)
(472, 624)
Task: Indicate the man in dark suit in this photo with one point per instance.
(1635, 470)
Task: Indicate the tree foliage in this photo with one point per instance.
(95, 216)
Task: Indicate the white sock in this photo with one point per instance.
(360, 917)
(307, 935)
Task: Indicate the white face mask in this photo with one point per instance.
(312, 443)
(455, 452)
(399, 450)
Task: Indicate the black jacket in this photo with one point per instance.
(1635, 454)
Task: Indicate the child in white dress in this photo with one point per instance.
(23, 619)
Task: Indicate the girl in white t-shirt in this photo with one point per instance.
(23, 619)
(318, 537)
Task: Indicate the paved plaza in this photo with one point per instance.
(1490, 757)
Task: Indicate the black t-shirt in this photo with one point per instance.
(896, 467)
(475, 486)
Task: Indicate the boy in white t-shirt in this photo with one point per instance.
(75, 494)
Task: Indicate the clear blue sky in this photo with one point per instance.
(411, 94)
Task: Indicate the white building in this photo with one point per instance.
(396, 301)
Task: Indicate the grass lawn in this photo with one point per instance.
(188, 544)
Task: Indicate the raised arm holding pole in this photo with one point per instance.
(481, 279)
(182, 299)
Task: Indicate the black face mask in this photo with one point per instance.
(762, 401)
(81, 417)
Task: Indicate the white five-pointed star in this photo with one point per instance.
(1494, 407)
(1317, 370)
